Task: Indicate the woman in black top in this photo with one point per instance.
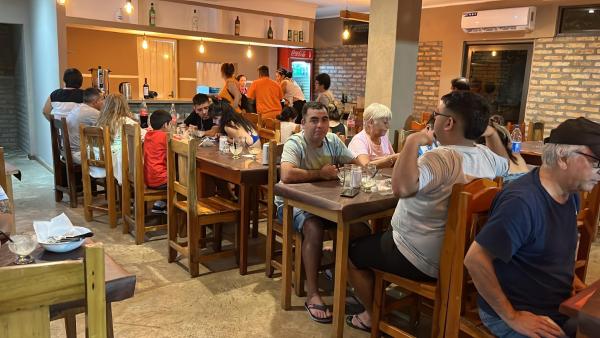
(63, 100)
(335, 125)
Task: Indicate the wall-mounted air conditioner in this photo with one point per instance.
(499, 20)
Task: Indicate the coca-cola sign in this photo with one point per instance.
(301, 54)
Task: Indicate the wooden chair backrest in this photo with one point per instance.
(469, 208)
(24, 309)
(2, 170)
(275, 125)
(267, 135)
(275, 151)
(66, 141)
(132, 157)
(589, 214)
(400, 136)
(414, 125)
(254, 118)
(57, 128)
(181, 171)
(95, 149)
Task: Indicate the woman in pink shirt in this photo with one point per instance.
(372, 144)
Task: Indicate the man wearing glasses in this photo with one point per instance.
(523, 260)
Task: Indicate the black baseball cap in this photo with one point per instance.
(579, 131)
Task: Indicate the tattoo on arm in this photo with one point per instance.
(5, 207)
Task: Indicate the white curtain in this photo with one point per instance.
(208, 74)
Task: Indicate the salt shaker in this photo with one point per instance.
(356, 176)
(223, 144)
(265, 154)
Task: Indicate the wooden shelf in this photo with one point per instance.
(180, 34)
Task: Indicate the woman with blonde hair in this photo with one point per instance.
(372, 145)
(113, 116)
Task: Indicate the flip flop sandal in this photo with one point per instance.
(319, 307)
(362, 326)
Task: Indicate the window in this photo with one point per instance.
(579, 20)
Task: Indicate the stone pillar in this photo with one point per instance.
(392, 56)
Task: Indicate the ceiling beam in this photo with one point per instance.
(356, 16)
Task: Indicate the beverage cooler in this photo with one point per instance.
(300, 62)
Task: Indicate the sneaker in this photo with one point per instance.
(159, 207)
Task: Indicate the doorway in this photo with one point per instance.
(500, 72)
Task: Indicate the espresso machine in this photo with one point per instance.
(100, 79)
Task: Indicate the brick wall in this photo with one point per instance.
(565, 80)
(347, 66)
(8, 116)
(429, 63)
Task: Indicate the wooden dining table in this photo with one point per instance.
(531, 151)
(585, 306)
(10, 171)
(120, 284)
(249, 174)
(323, 199)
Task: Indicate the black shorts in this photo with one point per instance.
(379, 252)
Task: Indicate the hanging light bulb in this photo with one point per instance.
(249, 52)
(128, 7)
(201, 49)
(145, 43)
(494, 53)
(346, 34)
(61, 2)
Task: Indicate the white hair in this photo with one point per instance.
(377, 111)
(553, 152)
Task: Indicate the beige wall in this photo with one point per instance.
(118, 52)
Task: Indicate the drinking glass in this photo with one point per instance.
(22, 246)
(367, 182)
(236, 147)
(384, 184)
(342, 172)
(254, 150)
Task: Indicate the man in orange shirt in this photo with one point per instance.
(267, 93)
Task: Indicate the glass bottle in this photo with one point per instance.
(237, 26)
(270, 31)
(152, 15)
(195, 21)
(146, 88)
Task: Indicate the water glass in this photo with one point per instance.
(22, 246)
(367, 182)
(236, 147)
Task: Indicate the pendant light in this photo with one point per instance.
(145, 43)
(201, 49)
(249, 52)
(346, 32)
(128, 7)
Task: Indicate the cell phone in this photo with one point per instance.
(350, 192)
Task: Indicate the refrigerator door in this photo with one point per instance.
(301, 73)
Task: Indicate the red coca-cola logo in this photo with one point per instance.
(301, 53)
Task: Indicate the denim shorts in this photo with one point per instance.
(300, 216)
(497, 326)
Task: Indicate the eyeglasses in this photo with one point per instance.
(595, 161)
(434, 114)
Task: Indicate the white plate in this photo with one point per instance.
(68, 246)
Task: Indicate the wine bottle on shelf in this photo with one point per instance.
(152, 15)
(146, 89)
(270, 31)
(237, 26)
(195, 21)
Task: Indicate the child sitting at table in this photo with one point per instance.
(155, 155)
(288, 126)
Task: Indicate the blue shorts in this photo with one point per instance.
(500, 329)
(300, 216)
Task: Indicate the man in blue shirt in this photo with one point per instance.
(523, 260)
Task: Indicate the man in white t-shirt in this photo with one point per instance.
(411, 249)
(87, 114)
(5, 212)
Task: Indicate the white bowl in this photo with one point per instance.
(67, 246)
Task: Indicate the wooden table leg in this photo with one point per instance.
(339, 288)
(286, 258)
(109, 321)
(245, 208)
(11, 199)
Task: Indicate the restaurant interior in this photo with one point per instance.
(88, 247)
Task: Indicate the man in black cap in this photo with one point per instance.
(523, 260)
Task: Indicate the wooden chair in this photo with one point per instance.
(66, 172)
(275, 228)
(266, 135)
(414, 125)
(254, 118)
(133, 181)
(182, 188)
(3, 178)
(400, 136)
(24, 311)
(96, 152)
(588, 227)
(535, 131)
(438, 292)
(275, 125)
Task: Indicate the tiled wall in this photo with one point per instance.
(565, 80)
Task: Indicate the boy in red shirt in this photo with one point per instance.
(155, 155)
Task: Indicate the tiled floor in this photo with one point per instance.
(168, 303)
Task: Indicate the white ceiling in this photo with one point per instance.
(331, 8)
